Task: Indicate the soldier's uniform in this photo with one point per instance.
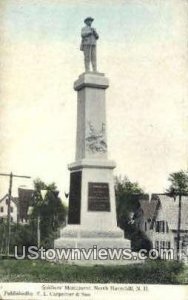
(88, 46)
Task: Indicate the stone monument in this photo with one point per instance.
(92, 210)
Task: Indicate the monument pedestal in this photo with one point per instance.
(92, 211)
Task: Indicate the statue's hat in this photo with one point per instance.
(88, 18)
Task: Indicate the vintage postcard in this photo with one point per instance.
(94, 149)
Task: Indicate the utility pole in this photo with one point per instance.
(11, 176)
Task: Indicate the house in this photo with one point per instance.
(18, 207)
(158, 219)
(13, 208)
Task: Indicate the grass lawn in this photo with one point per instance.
(152, 272)
(183, 276)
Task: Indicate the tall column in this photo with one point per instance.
(92, 210)
(91, 140)
(96, 206)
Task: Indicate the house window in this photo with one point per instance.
(11, 209)
(11, 219)
(145, 226)
(2, 209)
(160, 226)
(167, 228)
(157, 245)
(157, 228)
(163, 244)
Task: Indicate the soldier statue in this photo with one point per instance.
(88, 45)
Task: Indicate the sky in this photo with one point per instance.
(142, 49)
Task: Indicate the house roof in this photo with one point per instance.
(169, 207)
(13, 199)
(148, 208)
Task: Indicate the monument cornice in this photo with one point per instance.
(92, 163)
(91, 80)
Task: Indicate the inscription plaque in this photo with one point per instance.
(98, 196)
(75, 198)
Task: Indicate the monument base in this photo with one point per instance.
(76, 238)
